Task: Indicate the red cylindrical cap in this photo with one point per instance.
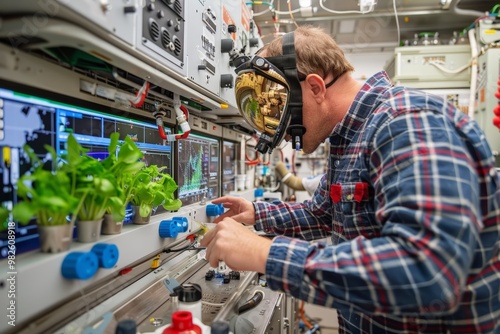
(182, 322)
(496, 110)
(496, 122)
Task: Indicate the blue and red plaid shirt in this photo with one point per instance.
(412, 205)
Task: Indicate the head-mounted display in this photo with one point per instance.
(269, 96)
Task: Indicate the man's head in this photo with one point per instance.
(316, 52)
(283, 90)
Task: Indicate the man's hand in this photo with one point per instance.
(240, 210)
(236, 245)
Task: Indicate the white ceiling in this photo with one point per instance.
(374, 30)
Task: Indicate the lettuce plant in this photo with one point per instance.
(123, 162)
(50, 196)
(151, 187)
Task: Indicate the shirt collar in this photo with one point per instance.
(363, 105)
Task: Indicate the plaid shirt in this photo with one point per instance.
(412, 205)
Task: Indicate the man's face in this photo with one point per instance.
(312, 123)
(317, 115)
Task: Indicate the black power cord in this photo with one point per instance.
(252, 302)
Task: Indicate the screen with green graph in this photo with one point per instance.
(198, 168)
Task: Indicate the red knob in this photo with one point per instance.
(496, 121)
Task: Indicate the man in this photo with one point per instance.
(411, 202)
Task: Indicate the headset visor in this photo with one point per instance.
(262, 96)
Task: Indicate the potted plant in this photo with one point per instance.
(102, 185)
(152, 187)
(50, 196)
(123, 161)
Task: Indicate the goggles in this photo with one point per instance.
(269, 96)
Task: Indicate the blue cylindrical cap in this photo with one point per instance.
(168, 229)
(107, 254)
(214, 210)
(182, 223)
(259, 192)
(79, 265)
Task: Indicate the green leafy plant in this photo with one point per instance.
(123, 162)
(105, 183)
(98, 188)
(4, 215)
(49, 195)
(81, 186)
(152, 187)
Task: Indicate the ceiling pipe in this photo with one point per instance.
(450, 6)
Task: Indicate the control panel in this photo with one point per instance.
(162, 31)
(203, 48)
(140, 69)
(240, 298)
(166, 247)
(234, 36)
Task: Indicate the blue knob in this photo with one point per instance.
(168, 229)
(107, 254)
(214, 210)
(259, 192)
(182, 223)
(80, 265)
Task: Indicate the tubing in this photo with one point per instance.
(473, 73)
(288, 178)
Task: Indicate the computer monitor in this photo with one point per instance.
(198, 168)
(37, 121)
(230, 160)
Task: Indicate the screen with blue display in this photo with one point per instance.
(36, 121)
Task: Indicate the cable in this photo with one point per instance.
(303, 316)
(346, 11)
(170, 250)
(269, 9)
(248, 161)
(212, 304)
(191, 245)
(397, 21)
(291, 13)
(439, 65)
(473, 72)
(270, 4)
(252, 302)
(262, 13)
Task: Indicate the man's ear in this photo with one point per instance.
(316, 86)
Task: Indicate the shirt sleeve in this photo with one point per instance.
(309, 220)
(427, 200)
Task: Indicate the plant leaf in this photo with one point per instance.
(172, 205)
(23, 212)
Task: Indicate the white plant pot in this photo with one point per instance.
(88, 230)
(110, 226)
(55, 239)
(138, 220)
